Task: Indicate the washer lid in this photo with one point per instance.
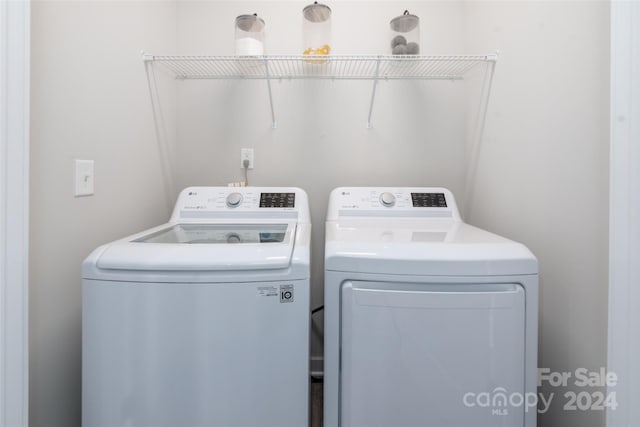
(200, 246)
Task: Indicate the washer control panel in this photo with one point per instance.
(387, 201)
(267, 202)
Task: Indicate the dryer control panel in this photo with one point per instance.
(392, 202)
(242, 202)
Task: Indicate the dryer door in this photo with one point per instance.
(432, 355)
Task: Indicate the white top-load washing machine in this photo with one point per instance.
(429, 322)
(203, 321)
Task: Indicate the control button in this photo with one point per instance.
(234, 199)
(233, 238)
(387, 199)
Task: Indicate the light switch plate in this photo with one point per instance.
(84, 178)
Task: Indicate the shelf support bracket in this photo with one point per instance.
(373, 94)
(274, 125)
(164, 146)
(478, 133)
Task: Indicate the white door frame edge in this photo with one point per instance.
(14, 211)
(624, 228)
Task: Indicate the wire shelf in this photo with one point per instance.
(353, 67)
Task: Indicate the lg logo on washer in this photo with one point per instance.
(286, 293)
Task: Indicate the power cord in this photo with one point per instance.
(245, 164)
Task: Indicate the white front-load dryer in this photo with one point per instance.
(429, 322)
(203, 321)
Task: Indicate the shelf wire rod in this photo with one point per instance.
(343, 69)
(408, 67)
(368, 67)
(449, 68)
(221, 68)
(199, 68)
(266, 73)
(339, 69)
(358, 68)
(288, 68)
(258, 64)
(456, 68)
(422, 69)
(405, 68)
(470, 64)
(321, 70)
(246, 68)
(178, 67)
(335, 68)
(276, 69)
(250, 68)
(183, 68)
(385, 68)
(315, 70)
(445, 68)
(291, 68)
(217, 68)
(186, 67)
(296, 68)
(430, 68)
(373, 95)
(347, 68)
(353, 68)
(226, 68)
(459, 68)
(371, 68)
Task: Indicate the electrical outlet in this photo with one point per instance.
(246, 154)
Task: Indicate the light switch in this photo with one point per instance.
(84, 178)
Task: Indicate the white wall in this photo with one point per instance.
(89, 101)
(543, 172)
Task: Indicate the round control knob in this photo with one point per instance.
(387, 199)
(234, 199)
(233, 238)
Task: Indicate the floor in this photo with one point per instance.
(316, 403)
